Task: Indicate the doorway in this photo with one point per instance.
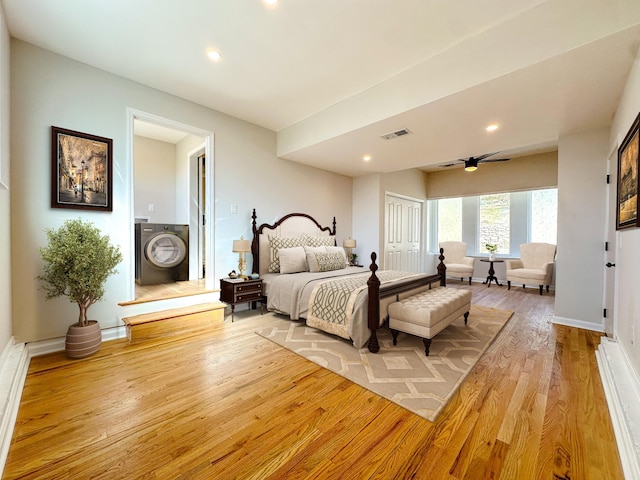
(181, 193)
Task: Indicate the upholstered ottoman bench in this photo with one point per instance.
(428, 313)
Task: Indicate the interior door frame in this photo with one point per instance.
(610, 277)
(134, 114)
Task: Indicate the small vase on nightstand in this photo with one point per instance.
(492, 256)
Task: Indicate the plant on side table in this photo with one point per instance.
(78, 259)
(492, 248)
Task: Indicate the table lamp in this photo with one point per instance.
(349, 244)
(242, 246)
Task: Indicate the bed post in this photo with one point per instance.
(255, 251)
(442, 269)
(373, 310)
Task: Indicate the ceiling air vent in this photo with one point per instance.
(397, 133)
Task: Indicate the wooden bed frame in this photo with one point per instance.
(375, 291)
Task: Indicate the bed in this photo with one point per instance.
(348, 301)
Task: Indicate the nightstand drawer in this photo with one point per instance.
(248, 297)
(248, 287)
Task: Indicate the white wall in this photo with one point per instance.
(524, 173)
(582, 169)
(155, 180)
(48, 89)
(5, 221)
(367, 216)
(627, 314)
(186, 182)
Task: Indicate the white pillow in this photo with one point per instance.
(312, 263)
(292, 260)
(277, 243)
(338, 250)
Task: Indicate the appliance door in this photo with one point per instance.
(165, 250)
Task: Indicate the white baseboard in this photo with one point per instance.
(622, 389)
(14, 364)
(572, 322)
(57, 344)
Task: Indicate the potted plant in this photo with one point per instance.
(77, 261)
(491, 248)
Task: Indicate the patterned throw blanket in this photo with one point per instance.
(331, 304)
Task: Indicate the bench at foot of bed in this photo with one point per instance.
(428, 313)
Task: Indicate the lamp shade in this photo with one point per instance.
(241, 246)
(349, 243)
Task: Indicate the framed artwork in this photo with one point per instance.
(628, 186)
(81, 170)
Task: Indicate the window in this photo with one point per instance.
(450, 220)
(544, 215)
(494, 221)
(506, 219)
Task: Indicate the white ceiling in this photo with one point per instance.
(331, 76)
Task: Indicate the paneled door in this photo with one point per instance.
(403, 233)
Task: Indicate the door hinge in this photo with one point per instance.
(604, 313)
(608, 179)
(606, 246)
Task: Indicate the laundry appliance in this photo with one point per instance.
(162, 253)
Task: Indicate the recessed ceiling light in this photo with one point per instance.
(366, 158)
(214, 55)
(270, 3)
(492, 128)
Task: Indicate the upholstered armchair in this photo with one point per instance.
(455, 259)
(535, 266)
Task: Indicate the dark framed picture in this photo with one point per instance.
(628, 186)
(81, 170)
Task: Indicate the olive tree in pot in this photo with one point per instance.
(77, 261)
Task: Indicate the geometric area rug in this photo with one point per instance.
(403, 373)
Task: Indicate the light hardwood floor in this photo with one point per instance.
(229, 404)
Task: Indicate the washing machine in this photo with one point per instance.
(162, 253)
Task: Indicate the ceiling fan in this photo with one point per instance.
(471, 163)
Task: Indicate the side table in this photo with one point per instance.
(239, 290)
(491, 277)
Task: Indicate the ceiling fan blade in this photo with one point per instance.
(496, 160)
(482, 157)
(446, 165)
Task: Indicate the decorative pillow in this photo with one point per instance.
(320, 241)
(292, 260)
(325, 262)
(338, 250)
(275, 244)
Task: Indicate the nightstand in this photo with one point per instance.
(239, 290)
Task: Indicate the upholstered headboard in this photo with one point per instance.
(291, 225)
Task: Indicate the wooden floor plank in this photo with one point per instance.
(227, 403)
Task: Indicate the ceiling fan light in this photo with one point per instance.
(471, 165)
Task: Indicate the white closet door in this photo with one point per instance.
(403, 227)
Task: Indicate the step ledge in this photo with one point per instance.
(172, 313)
